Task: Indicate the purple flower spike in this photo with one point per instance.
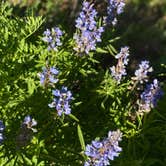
(150, 96)
(115, 7)
(52, 37)
(61, 102)
(48, 76)
(88, 33)
(120, 70)
(100, 152)
(141, 74)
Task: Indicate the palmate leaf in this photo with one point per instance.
(32, 25)
(5, 10)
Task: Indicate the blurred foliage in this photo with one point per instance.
(143, 28)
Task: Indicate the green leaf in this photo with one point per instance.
(100, 50)
(81, 138)
(131, 124)
(73, 117)
(27, 160)
(78, 103)
(139, 120)
(31, 86)
(111, 49)
(41, 163)
(83, 72)
(32, 25)
(112, 40)
(103, 102)
(34, 160)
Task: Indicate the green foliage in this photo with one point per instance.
(100, 104)
(117, 101)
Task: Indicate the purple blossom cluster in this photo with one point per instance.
(61, 102)
(30, 123)
(141, 74)
(115, 7)
(88, 34)
(150, 96)
(48, 76)
(2, 127)
(120, 69)
(100, 152)
(53, 38)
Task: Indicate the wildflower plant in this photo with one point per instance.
(55, 101)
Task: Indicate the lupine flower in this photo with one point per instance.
(120, 69)
(88, 34)
(61, 102)
(48, 76)
(53, 38)
(115, 7)
(141, 74)
(26, 131)
(2, 127)
(29, 122)
(101, 152)
(150, 96)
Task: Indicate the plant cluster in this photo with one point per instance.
(58, 84)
